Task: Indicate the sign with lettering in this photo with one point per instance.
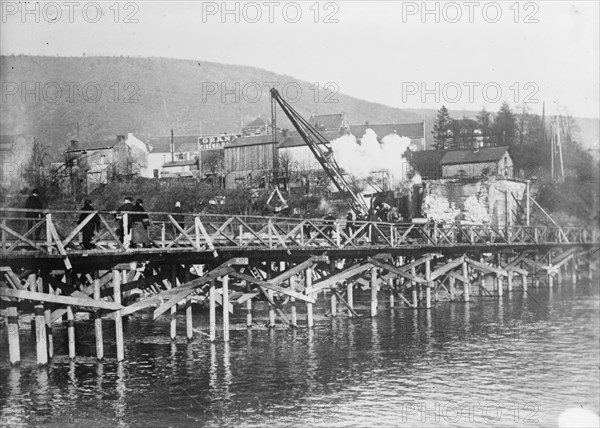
(216, 141)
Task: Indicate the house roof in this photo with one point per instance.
(426, 157)
(410, 130)
(252, 140)
(163, 144)
(295, 140)
(485, 154)
(255, 123)
(328, 122)
(93, 145)
(180, 163)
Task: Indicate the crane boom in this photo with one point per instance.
(321, 149)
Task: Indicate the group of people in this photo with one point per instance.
(137, 221)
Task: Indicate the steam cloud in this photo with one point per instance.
(360, 159)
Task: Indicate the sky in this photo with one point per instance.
(465, 55)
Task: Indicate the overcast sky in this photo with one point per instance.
(385, 52)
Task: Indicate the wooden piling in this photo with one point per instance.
(98, 319)
(71, 331)
(429, 284)
(333, 303)
(174, 307)
(465, 273)
(350, 298)
(373, 291)
(294, 320)
(70, 319)
(548, 273)
(574, 270)
(189, 327)
(225, 282)
(272, 314)
(118, 318)
(47, 316)
(14, 349)
(452, 286)
(392, 300)
(309, 306)
(524, 282)
(509, 281)
(41, 344)
(212, 311)
(500, 282)
(249, 307)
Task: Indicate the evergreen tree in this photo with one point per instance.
(504, 130)
(441, 129)
(484, 121)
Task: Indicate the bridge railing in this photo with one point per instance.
(63, 232)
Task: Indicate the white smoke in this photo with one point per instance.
(360, 159)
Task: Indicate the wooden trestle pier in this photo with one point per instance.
(233, 261)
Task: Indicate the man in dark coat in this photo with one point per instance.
(33, 202)
(329, 223)
(90, 227)
(125, 207)
(178, 217)
(139, 226)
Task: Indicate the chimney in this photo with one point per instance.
(74, 145)
(121, 138)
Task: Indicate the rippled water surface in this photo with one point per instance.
(515, 361)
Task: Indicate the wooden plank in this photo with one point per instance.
(485, 268)
(184, 290)
(63, 300)
(80, 226)
(397, 271)
(446, 268)
(339, 276)
(271, 286)
(22, 238)
(292, 271)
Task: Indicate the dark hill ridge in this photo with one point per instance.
(149, 96)
(125, 94)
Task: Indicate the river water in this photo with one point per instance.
(515, 361)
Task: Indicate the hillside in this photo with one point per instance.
(135, 91)
(149, 96)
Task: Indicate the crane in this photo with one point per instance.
(321, 149)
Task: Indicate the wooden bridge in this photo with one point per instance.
(235, 261)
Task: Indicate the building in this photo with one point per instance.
(485, 161)
(256, 127)
(249, 160)
(426, 163)
(209, 148)
(97, 162)
(336, 122)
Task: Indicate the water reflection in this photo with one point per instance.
(540, 348)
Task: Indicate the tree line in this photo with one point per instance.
(527, 135)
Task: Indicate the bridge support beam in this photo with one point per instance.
(308, 289)
(118, 319)
(574, 270)
(47, 319)
(212, 311)
(14, 349)
(429, 285)
(98, 319)
(225, 282)
(524, 282)
(294, 313)
(172, 285)
(374, 291)
(249, 307)
(189, 326)
(41, 343)
(71, 318)
(466, 285)
(350, 297)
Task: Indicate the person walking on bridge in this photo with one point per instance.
(139, 226)
(33, 202)
(178, 217)
(90, 227)
(127, 206)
